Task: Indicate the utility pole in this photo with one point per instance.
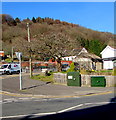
(12, 53)
(30, 54)
(28, 31)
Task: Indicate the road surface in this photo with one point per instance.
(20, 108)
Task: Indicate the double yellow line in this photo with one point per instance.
(50, 96)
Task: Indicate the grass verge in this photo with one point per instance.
(43, 78)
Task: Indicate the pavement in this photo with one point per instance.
(40, 89)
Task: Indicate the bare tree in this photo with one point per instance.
(55, 45)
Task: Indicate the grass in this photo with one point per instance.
(43, 78)
(106, 71)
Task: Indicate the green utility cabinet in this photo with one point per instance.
(98, 81)
(73, 79)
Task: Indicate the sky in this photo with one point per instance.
(93, 15)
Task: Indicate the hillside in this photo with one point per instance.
(50, 37)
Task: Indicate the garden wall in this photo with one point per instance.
(85, 79)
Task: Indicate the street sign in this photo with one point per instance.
(18, 55)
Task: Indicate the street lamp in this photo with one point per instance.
(30, 56)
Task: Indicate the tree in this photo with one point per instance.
(55, 45)
(8, 19)
(17, 20)
(95, 46)
(34, 20)
(39, 20)
(49, 21)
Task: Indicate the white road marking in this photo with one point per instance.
(97, 103)
(10, 100)
(39, 114)
(61, 111)
(70, 108)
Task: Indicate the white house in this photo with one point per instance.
(68, 58)
(108, 56)
(75, 52)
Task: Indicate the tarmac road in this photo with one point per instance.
(37, 107)
(40, 98)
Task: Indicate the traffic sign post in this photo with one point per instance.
(19, 54)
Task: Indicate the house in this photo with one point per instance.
(88, 61)
(74, 53)
(108, 56)
(68, 58)
(85, 60)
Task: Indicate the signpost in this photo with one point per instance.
(19, 54)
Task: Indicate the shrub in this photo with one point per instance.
(72, 68)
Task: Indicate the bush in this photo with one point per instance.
(72, 68)
(114, 72)
(8, 60)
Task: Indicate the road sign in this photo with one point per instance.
(18, 55)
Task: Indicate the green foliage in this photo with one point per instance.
(114, 72)
(94, 46)
(43, 78)
(8, 60)
(72, 68)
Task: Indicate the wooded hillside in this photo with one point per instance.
(50, 37)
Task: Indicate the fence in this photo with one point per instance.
(85, 79)
(60, 78)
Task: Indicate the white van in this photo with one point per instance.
(10, 68)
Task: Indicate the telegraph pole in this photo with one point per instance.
(30, 54)
(12, 53)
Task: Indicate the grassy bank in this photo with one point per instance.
(43, 78)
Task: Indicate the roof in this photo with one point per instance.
(77, 51)
(83, 53)
(108, 47)
(88, 55)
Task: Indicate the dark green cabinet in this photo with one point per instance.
(73, 79)
(98, 81)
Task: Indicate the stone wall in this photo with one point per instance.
(60, 78)
(85, 79)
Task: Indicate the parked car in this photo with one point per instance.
(65, 68)
(10, 68)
